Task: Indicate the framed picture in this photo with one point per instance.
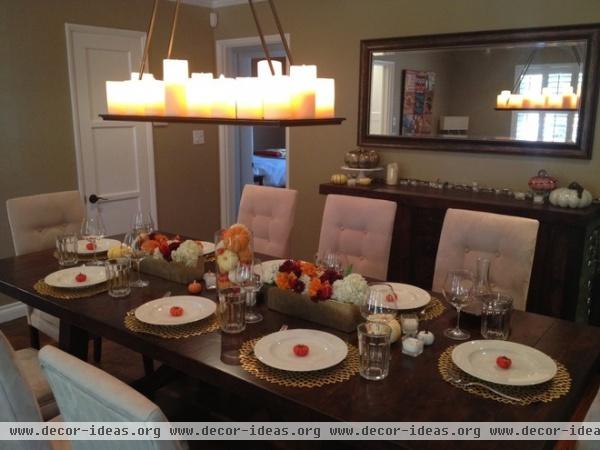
(417, 102)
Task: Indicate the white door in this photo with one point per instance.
(115, 160)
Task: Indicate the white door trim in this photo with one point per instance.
(71, 28)
(223, 49)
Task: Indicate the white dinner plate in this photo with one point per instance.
(66, 278)
(277, 350)
(157, 312)
(207, 247)
(529, 366)
(102, 245)
(409, 297)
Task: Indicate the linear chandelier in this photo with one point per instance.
(271, 98)
(547, 100)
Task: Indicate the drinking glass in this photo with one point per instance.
(329, 260)
(495, 316)
(93, 230)
(231, 310)
(117, 274)
(137, 253)
(66, 249)
(457, 291)
(379, 300)
(249, 278)
(374, 350)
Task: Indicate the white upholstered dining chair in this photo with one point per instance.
(35, 221)
(25, 395)
(360, 229)
(87, 394)
(507, 241)
(269, 213)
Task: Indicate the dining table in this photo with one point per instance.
(414, 390)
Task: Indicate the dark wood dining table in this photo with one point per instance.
(414, 391)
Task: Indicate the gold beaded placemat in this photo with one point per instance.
(318, 378)
(69, 294)
(434, 309)
(171, 331)
(557, 387)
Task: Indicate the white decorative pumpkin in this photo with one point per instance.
(572, 197)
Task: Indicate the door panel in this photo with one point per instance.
(115, 159)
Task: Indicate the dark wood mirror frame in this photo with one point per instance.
(581, 149)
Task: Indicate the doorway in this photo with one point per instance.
(249, 155)
(115, 160)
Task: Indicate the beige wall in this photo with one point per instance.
(36, 135)
(328, 33)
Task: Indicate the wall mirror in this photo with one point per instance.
(531, 91)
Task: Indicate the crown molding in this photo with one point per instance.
(213, 4)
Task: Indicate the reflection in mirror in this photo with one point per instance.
(452, 92)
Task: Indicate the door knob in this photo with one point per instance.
(93, 198)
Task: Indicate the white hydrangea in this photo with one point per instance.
(187, 253)
(269, 272)
(306, 280)
(352, 289)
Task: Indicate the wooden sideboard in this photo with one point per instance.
(565, 280)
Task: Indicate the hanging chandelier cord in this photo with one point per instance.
(517, 84)
(148, 38)
(281, 34)
(173, 27)
(262, 37)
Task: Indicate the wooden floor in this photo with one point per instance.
(189, 400)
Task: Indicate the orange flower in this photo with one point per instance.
(313, 287)
(282, 281)
(308, 269)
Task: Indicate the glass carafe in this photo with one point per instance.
(482, 277)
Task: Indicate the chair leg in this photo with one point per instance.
(34, 337)
(148, 365)
(97, 349)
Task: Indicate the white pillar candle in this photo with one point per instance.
(569, 99)
(224, 98)
(515, 101)
(199, 95)
(538, 101)
(264, 71)
(303, 79)
(277, 98)
(116, 97)
(249, 100)
(150, 94)
(325, 98)
(502, 100)
(135, 93)
(555, 101)
(175, 74)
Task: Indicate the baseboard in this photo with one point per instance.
(12, 311)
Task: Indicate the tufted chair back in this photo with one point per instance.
(507, 241)
(360, 229)
(87, 394)
(269, 213)
(35, 221)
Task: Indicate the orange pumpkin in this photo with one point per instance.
(149, 245)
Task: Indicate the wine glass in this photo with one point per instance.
(137, 253)
(379, 301)
(457, 291)
(92, 230)
(142, 222)
(250, 279)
